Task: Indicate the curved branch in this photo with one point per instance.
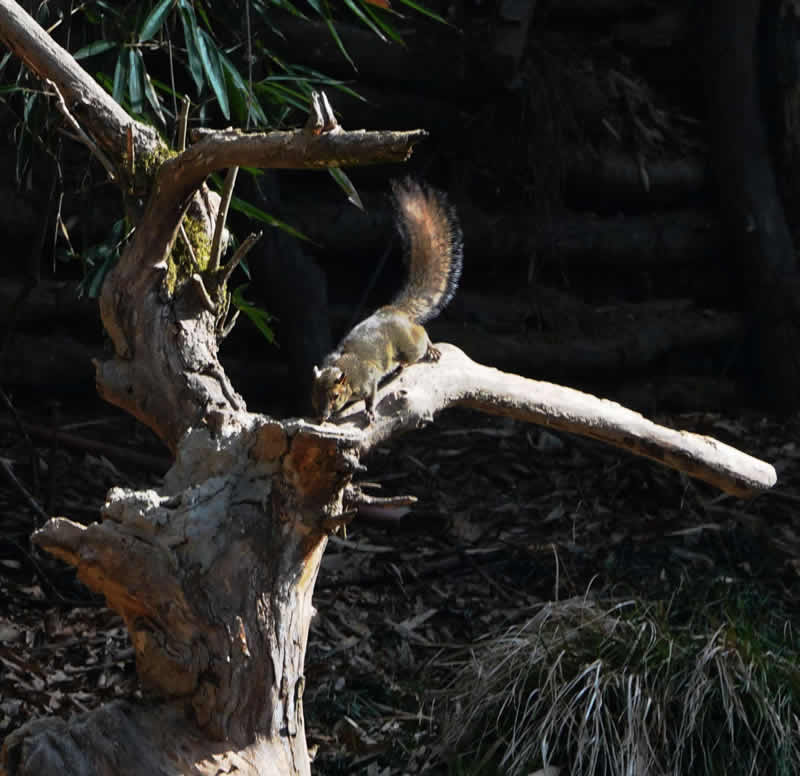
(170, 353)
(179, 177)
(424, 389)
(299, 149)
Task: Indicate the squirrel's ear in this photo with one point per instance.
(317, 372)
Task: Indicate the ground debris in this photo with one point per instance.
(509, 516)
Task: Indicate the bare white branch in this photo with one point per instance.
(424, 389)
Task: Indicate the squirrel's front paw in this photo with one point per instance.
(432, 353)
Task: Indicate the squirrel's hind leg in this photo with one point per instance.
(369, 401)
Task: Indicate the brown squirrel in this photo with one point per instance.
(393, 336)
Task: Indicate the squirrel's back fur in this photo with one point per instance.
(432, 248)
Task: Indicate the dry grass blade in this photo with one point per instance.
(625, 690)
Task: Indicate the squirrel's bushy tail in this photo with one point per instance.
(432, 249)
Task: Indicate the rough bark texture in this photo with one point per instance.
(213, 575)
(120, 739)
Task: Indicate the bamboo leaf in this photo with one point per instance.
(259, 317)
(5, 60)
(311, 76)
(255, 213)
(424, 11)
(387, 28)
(120, 76)
(189, 21)
(155, 20)
(365, 19)
(282, 96)
(165, 88)
(213, 70)
(96, 281)
(152, 98)
(318, 7)
(339, 43)
(105, 81)
(136, 80)
(98, 47)
(106, 7)
(240, 90)
(204, 16)
(27, 110)
(346, 186)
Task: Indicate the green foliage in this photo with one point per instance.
(151, 54)
(100, 258)
(260, 318)
(200, 48)
(346, 185)
(256, 213)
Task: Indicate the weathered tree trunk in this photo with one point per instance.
(214, 572)
(213, 575)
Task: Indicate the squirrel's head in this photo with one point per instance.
(331, 391)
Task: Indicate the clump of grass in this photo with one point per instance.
(630, 688)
